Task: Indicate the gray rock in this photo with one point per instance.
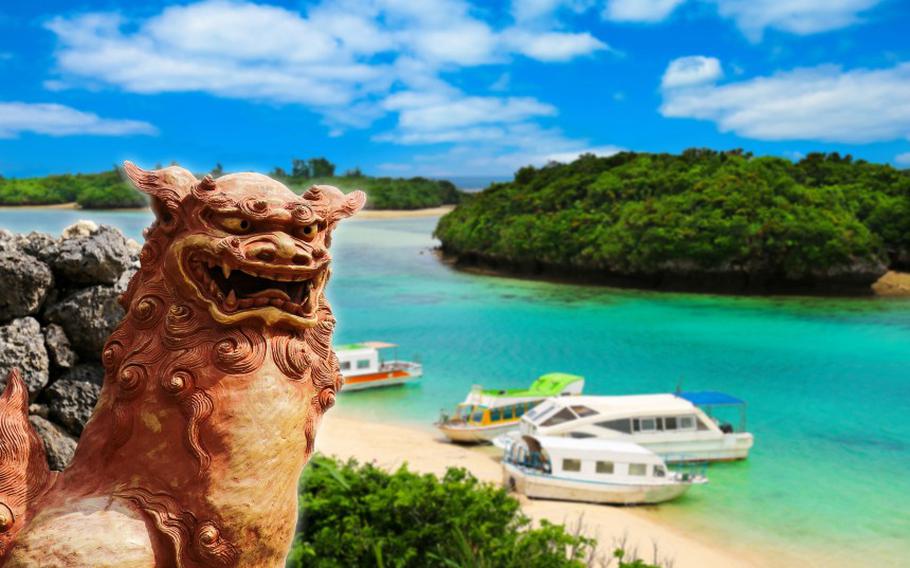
(86, 373)
(58, 444)
(71, 403)
(40, 245)
(22, 347)
(81, 228)
(98, 257)
(88, 317)
(38, 410)
(58, 347)
(24, 282)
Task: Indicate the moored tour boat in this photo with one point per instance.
(591, 471)
(363, 367)
(486, 414)
(679, 427)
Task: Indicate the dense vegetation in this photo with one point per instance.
(382, 192)
(699, 219)
(93, 191)
(107, 190)
(360, 515)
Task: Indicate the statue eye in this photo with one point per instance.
(236, 225)
(308, 232)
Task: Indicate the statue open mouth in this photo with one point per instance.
(273, 292)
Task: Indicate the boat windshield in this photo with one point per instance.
(521, 455)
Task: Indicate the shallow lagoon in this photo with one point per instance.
(826, 380)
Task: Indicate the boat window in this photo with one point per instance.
(701, 424)
(583, 411)
(540, 411)
(604, 467)
(345, 365)
(647, 425)
(670, 423)
(477, 416)
(621, 425)
(660, 423)
(564, 415)
(495, 414)
(571, 465)
(580, 435)
(464, 410)
(686, 422)
(659, 471)
(638, 469)
(363, 364)
(508, 413)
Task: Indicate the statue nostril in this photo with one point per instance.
(265, 255)
(302, 259)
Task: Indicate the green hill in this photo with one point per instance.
(107, 190)
(702, 220)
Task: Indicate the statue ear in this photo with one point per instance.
(167, 187)
(339, 205)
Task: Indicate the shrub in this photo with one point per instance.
(360, 515)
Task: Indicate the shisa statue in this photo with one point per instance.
(215, 382)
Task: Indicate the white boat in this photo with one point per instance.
(363, 367)
(678, 427)
(488, 413)
(591, 471)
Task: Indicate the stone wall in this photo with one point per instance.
(58, 304)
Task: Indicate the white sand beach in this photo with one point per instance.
(388, 446)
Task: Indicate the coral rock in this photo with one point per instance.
(22, 347)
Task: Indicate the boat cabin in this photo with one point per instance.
(363, 366)
(573, 458)
(680, 427)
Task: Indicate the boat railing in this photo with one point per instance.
(410, 366)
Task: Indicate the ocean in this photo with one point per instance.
(827, 381)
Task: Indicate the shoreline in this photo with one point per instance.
(893, 284)
(390, 445)
(363, 214)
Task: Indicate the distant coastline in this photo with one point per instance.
(364, 214)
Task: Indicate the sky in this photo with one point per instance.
(445, 87)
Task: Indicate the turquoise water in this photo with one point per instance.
(826, 380)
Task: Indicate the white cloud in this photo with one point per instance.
(340, 58)
(60, 120)
(552, 46)
(517, 145)
(823, 103)
(753, 17)
(801, 17)
(691, 70)
(430, 118)
(567, 157)
(639, 10)
(902, 159)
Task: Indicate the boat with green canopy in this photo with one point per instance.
(488, 413)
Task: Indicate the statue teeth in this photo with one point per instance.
(231, 300)
(226, 270)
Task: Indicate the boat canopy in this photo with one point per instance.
(550, 384)
(364, 345)
(559, 447)
(710, 398)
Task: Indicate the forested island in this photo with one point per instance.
(108, 190)
(702, 220)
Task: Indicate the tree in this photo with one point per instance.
(354, 173)
(278, 172)
(300, 169)
(320, 167)
(217, 171)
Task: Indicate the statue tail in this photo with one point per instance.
(24, 474)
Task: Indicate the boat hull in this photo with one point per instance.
(732, 447)
(543, 486)
(378, 380)
(476, 434)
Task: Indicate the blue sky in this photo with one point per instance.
(446, 87)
